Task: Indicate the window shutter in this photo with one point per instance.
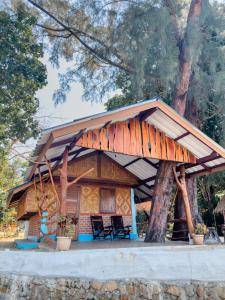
(107, 200)
(72, 200)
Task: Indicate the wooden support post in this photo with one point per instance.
(181, 184)
(64, 183)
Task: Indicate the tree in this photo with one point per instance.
(150, 45)
(21, 75)
(10, 175)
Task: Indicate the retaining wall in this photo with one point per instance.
(133, 273)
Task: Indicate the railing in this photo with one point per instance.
(170, 232)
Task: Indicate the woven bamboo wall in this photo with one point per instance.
(104, 169)
(90, 200)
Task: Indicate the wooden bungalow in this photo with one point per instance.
(104, 163)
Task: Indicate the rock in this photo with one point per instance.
(96, 285)
(200, 291)
(156, 289)
(124, 297)
(190, 291)
(110, 286)
(220, 291)
(130, 289)
(173, 290)
(122, 289)
(85, 285)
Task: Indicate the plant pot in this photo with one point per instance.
(198, 239)
(63, 243)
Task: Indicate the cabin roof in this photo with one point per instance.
(220, 208)
(210, 155)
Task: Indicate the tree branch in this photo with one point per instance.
(176, 178)
(79, 177)
(98, 55)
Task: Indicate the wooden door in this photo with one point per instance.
(73, 206)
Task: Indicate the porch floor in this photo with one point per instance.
(108, 244)
(9, 244)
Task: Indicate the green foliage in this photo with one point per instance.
(10, 171)
(21, 75)
(210, 187)
(141, 219)
(201, 229)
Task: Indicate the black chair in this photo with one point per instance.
(98, 229)
(119, 230)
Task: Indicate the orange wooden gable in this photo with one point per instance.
(135, 137)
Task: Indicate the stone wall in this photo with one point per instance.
(41, 288)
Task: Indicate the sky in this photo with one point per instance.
(73, 108)
(50, 115)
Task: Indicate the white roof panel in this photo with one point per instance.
(194, 145)
(121, 159)
(161, 121)
(215, 162)
(142, 169)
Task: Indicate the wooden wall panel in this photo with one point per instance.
(89, 200)
(110, 170)
(133, 147)
(21, 208)
(123, 201)
(135, 137)
(104, 168)
(146, 142)
(80, 166)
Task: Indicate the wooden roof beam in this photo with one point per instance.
(213, 169)
(41, 155)
(146, 114)
(182, 136)
(203, 160)
(146, 180)
(131, 162)
(71, 145)
(140, 190)
(150, 163)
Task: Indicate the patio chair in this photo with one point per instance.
(119, 230)
(98, 229)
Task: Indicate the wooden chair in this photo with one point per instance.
(119, 230)
(98, 229)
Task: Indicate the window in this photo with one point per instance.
(107, 200)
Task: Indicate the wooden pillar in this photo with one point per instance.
(181, 184)
(64, 183)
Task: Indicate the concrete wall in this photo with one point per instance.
(155, 273)
(206, 263)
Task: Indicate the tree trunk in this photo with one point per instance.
(191, 113)
(158, 216)
(192, 193)
(163, 185)
(180, 230)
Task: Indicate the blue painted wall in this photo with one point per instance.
(134, 235)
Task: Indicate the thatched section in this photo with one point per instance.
(220, 208)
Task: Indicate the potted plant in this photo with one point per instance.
(66, 226)
(198, 236)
